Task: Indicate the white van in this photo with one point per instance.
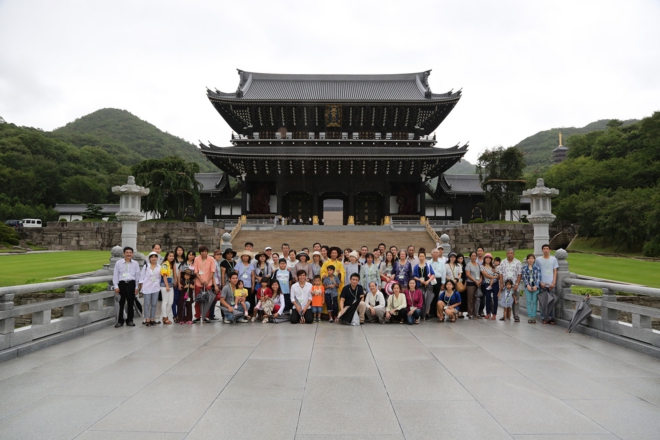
(31, 223)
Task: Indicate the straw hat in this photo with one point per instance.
(245, 252)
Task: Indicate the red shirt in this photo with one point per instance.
(264, 292)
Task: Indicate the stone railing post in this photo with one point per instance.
(130, 210)
(562, 273)
(226, 241)
(540, 213)
(72, 311)
(6, 321)
(444, 243)
(608, 314)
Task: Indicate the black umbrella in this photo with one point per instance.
(581, 312)
(547, 301)
(205, 299)
(347, 316)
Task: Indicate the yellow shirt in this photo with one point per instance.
(238, 293)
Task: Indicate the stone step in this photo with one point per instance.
(349, 238)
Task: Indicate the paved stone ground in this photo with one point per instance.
(469, 380)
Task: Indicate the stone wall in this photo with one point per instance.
(492, 237)
(106, 235)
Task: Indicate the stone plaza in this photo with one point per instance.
(470, 379)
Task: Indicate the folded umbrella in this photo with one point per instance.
(547, 301)
(581, 312)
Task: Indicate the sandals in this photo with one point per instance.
(167, 321)
(552, 322)
(516, 319)
(502, 318)
(529, 321)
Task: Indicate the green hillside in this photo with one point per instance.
(129, 138)
(462, 167)
(538, 148)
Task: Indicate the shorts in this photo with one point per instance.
(318, 309)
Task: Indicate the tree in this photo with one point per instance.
(93, 211)
(501, 175)
(172, 186)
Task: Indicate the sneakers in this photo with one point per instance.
(265, 321)
(254, 318)
(331, 320)
(226, 321)
(242, 320)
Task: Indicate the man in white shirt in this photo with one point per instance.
(363, 255)
(437, 263)
(414, 261)
(511, 269)
(301, 299)
(124, 281)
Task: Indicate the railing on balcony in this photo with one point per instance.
(45, 331)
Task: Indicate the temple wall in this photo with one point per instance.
(492, 237)
(106, 235)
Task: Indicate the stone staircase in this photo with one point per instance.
(344, 237)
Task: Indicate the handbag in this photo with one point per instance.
(460, 286)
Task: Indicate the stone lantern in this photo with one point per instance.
(130, 211)
(541, 212)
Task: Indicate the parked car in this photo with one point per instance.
(31, 223)
(13, 223)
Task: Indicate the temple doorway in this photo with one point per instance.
(367, 208)
(333, 212)
(298, 206)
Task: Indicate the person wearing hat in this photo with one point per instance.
(150, 287)
(333, 259)
(317, 262)
(227, 265)
(246, 273)
(352, 265)
(269, 255)
(262, 270)
(303, 264)
(490, 286)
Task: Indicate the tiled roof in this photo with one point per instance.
(461, 184)
(302, 152)
(211, 182)
(274, 87)
(71, 208)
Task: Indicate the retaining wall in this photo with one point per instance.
(106, 235)
(491, 237)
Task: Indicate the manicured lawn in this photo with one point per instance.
(17, 269)
(623, 269)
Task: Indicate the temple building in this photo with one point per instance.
(365, 143)
(560, 153)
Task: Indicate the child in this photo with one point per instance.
(506, 299)
(240, 295)
(184, 307)
(318, 293)
(284, 279)
(265, 301)
(330, 284)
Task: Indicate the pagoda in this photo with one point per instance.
(366, 140)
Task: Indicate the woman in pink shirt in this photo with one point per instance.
(204, 277)
(414, 302)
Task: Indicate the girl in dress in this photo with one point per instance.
(506, 299)
(187, 292)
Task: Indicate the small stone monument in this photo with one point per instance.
(541, 213)
(130, 211)
(226, 241)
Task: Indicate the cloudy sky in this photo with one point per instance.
(524, 66)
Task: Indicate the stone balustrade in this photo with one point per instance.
(45, 331)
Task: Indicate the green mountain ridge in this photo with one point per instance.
(129, 138)
(538, 147)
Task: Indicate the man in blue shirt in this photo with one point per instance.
(548, 266)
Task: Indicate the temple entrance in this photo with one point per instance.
(367, 208)
(333, 212)
(298, 206)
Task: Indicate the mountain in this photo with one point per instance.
(128, 138)
(462, 167)
(538, 148)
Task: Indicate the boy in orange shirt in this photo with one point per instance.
(318, 298)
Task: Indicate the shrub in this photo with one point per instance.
(189, 220)
(652, 248)
(8, 235)
(477, 220)
(62, 220)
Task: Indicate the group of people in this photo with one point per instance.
(384, 285)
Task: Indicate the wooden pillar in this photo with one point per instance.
(244, 195)
(422, 199)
